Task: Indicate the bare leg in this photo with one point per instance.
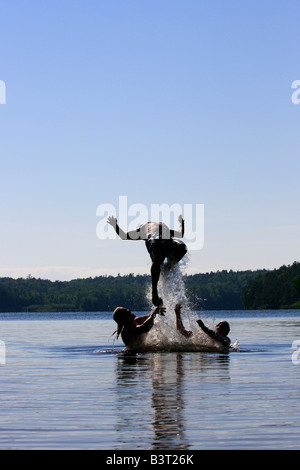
(155, 273)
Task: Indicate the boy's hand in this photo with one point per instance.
(160, 310)
(112, 221)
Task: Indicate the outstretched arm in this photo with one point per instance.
(180, 232)
(206, 330)
(213, 334)
(133, 235)
(148, 323)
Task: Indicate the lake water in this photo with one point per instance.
(65, 384)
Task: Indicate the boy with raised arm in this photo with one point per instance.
(160, 244)
(132, 328)
(219, 334)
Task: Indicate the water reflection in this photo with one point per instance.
(153, 392)
(168, 401)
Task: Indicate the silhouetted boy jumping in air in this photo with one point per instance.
(160, 244)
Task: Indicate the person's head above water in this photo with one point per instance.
(121, 316)
(222, 328)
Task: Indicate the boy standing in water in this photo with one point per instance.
(160, 244)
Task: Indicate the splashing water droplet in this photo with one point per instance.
(164, 335)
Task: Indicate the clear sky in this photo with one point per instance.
(165, 102)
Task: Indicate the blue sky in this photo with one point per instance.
(162, 101)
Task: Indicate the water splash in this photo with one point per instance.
(164, 334)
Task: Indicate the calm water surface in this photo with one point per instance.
(66, 385)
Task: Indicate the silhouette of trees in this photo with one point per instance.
(221, 290)
(279, 288)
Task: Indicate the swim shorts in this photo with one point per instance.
(160, 249)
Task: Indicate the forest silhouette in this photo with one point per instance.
(221, 290)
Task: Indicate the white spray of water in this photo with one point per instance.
(164, 335)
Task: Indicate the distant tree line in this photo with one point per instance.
(101, 293)
(221, 290)
(275, 289)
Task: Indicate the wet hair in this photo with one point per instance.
(223, 328)
(121, 314)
